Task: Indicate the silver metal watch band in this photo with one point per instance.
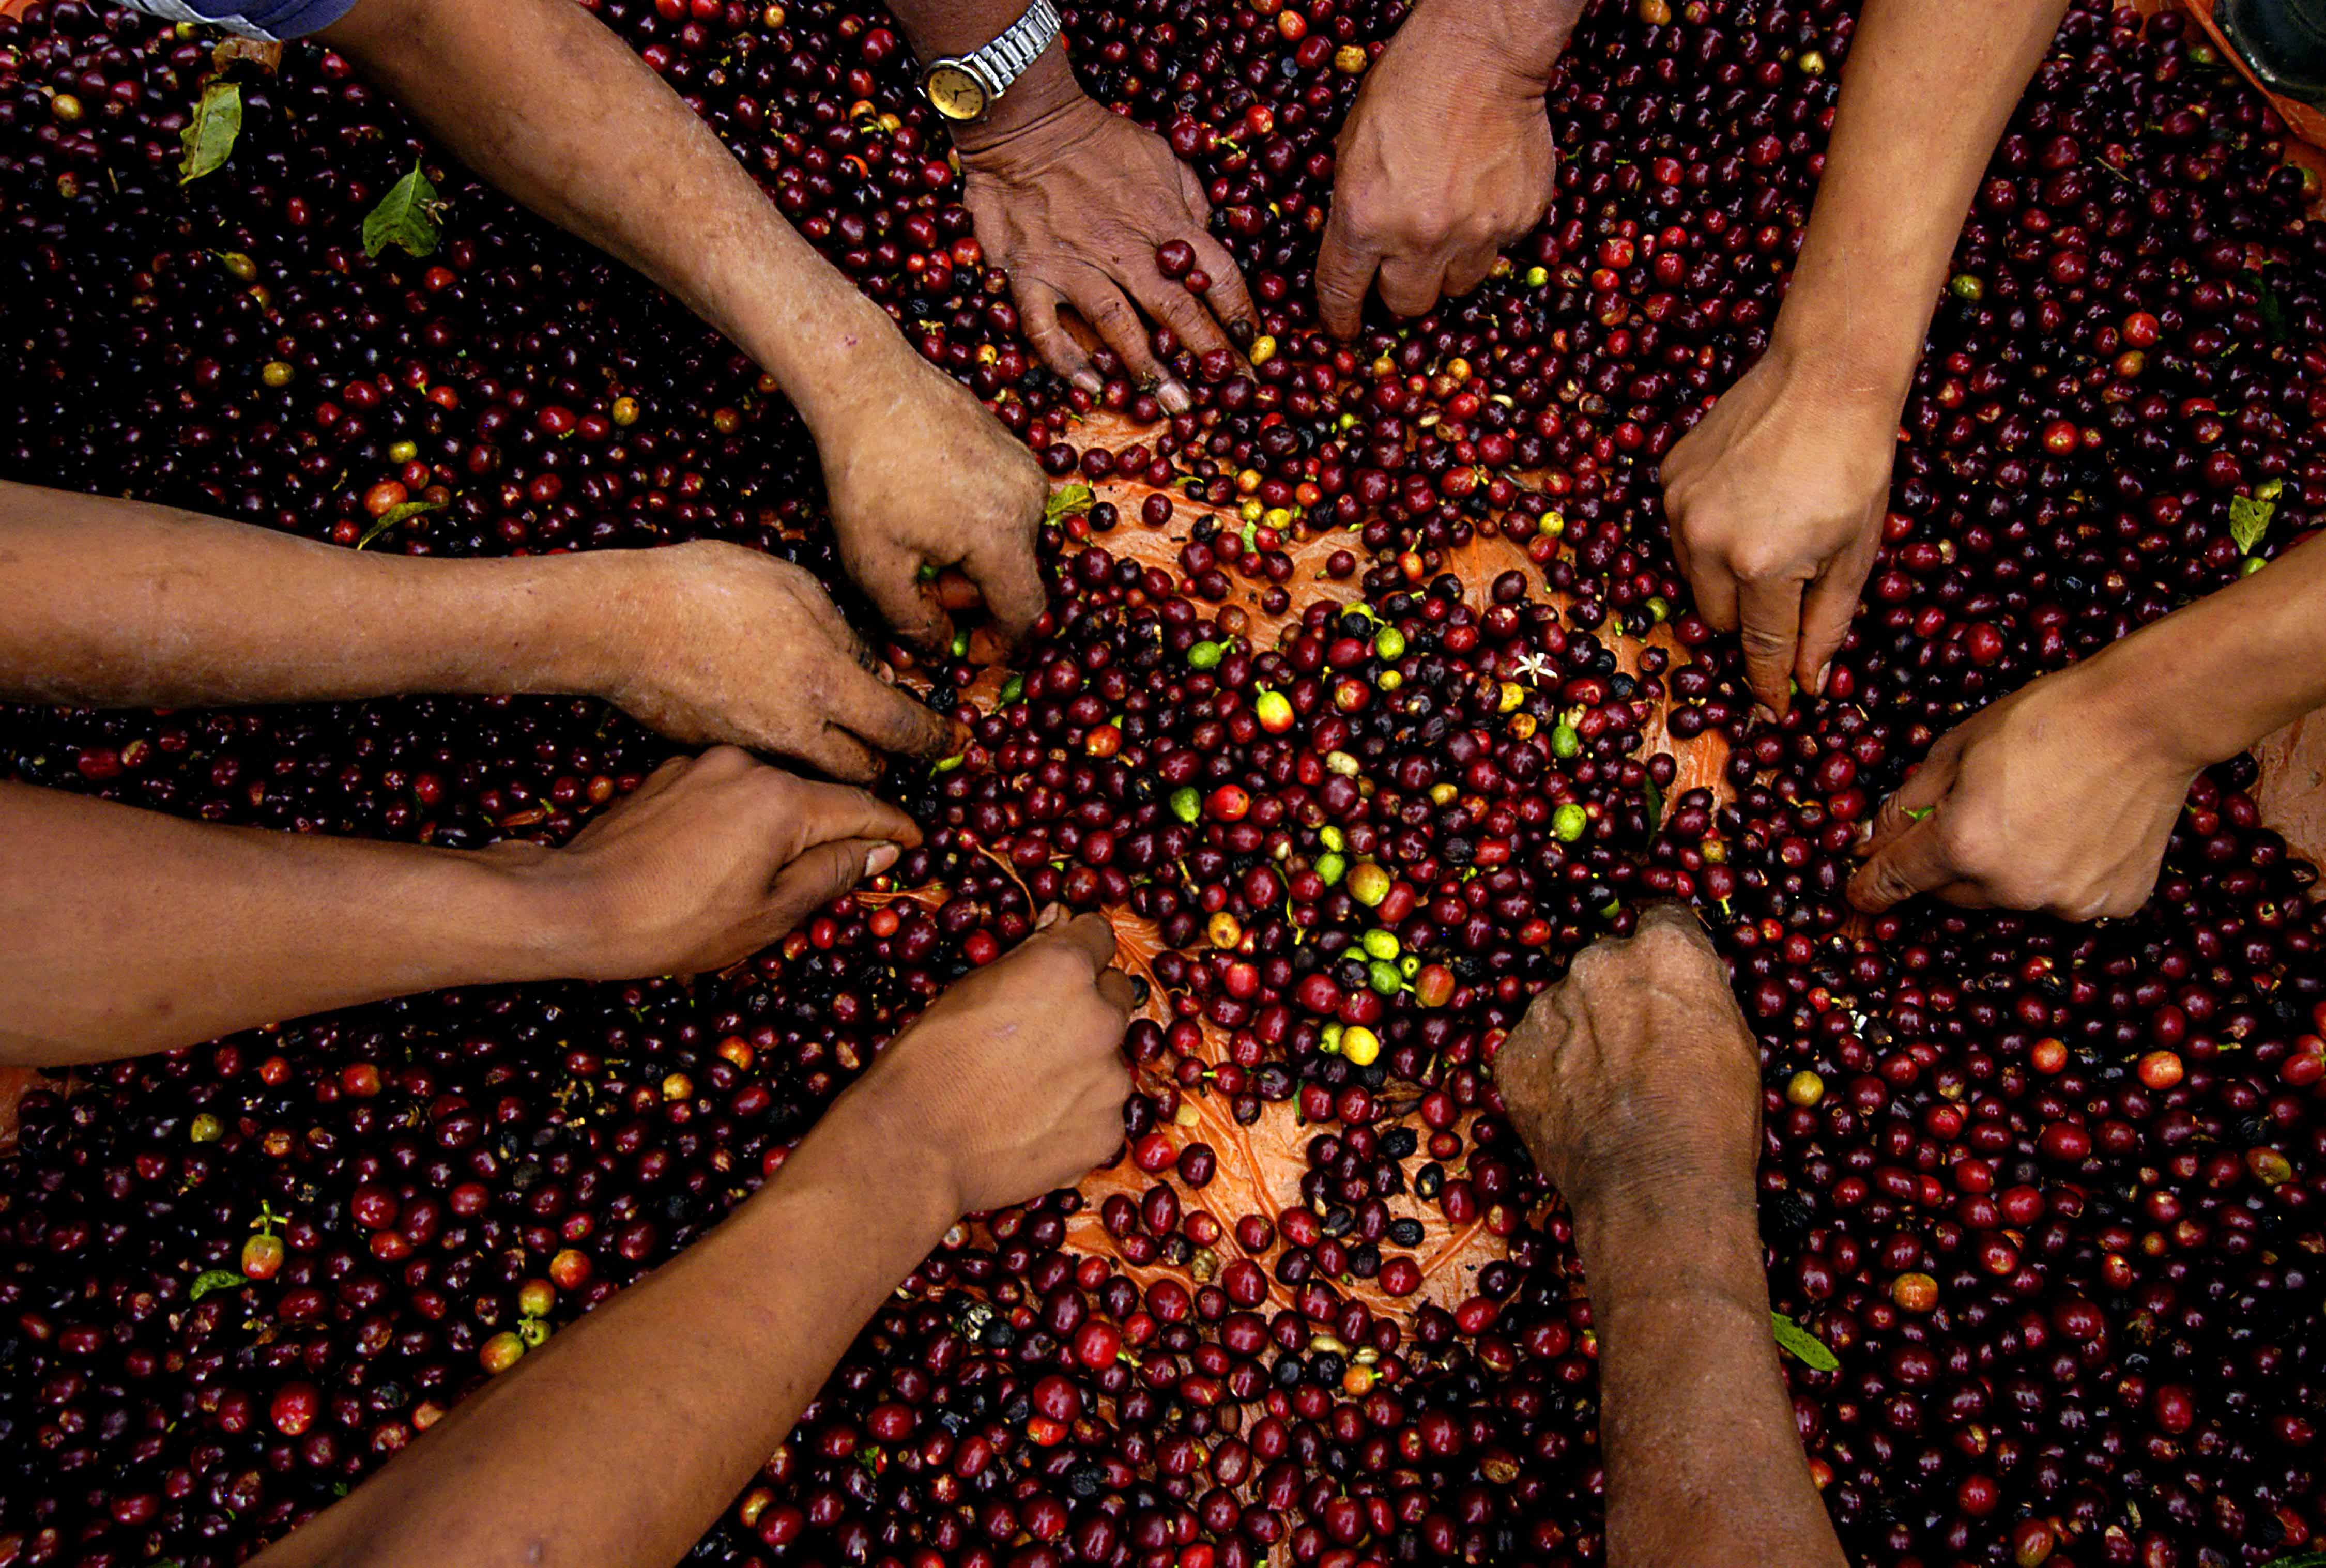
(1005, 59)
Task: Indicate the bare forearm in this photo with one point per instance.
(123, 931)
(1704, 1463)
(119, 604)
(545, 102)
(1930, 85)
(1526, 36)
(615, 1444)
(2211, 680)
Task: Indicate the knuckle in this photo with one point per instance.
(1757, 562)
(1969, 845)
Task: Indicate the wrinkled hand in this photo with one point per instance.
(1776, 500)
(1073, 206)
(712, 858)
(2055, 798)
(1446, 157)
(1635, 1080)
(919, 475)
(1013, 1081)
(726, 644)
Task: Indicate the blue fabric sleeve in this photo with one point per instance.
(252, 18)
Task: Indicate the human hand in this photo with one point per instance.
(920, 475)
(1446, 157)
(721, 643)
(1012, 1083)
(1635, 1080)
(2059, 797)
(1776, 500)
(1073, 205)
(710, 860)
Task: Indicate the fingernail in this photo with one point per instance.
(1173, 397)
(1818, 685)
(880, 859)
(1089, 382)
(1051, 915)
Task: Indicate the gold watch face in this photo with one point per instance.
(957, 95)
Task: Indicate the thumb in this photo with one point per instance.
(828, 813)
(824, 872)
(890, 580)
(1914, 862)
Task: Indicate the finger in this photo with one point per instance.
(1914, 862)
(1469, 270)
(890, 578)
(1038, 317)
(1199, 204)
(1682, 556)
(1770, 613)
(1345, 272)
(836, 754)
(1089, 935)
(1005, 574)
(1915, 800)
(825, 872)
(1716, 592)
(829, 812)
(1409, 285)
(668, 774)
(888, 719)
(1826, 610)
(1099, 302)
(1677, 915)
(1115, 989)
(1228, 298)
(1171, 304)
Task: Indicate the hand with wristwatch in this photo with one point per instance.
(1074, 202)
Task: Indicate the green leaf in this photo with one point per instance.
(1810, 1349)
(213, 1279)
(209, 136)
(2267, 304)
(2248, 521)
(1916, 813)
(397, 514)
(405, 217)
(2307, 1560)
(1655, 807)
(1068, 501)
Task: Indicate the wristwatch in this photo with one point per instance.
(964, 87)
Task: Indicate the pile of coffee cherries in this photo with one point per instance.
(1370, 694)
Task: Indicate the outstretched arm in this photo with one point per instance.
(1636, 1086)
(120, 604)
(124, 931)
(548, 105)
(1776, 497)
(2061, 796)
(1011, 1085)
